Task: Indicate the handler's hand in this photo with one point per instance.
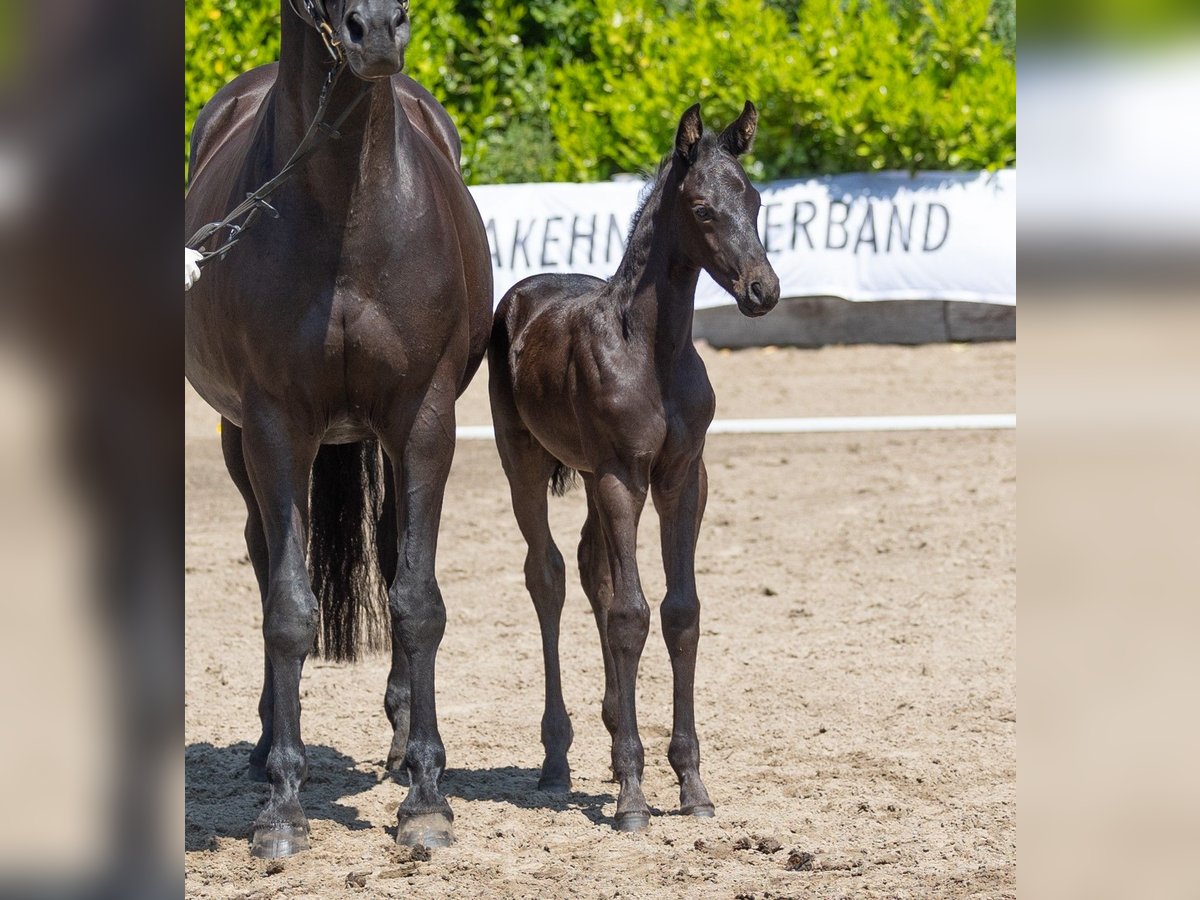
(191, 268)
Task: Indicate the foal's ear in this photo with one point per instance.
(687, 138)
(739, 136)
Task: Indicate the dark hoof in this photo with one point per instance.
(632, 821)
(278, 841)
(258, 773)
(431, 830)
(703, 811)
(558, 787)
(395, 762)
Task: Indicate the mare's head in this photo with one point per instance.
(373, 33)
(718, 218)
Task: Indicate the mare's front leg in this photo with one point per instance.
(396, 699)
(256, 548)
(620, 495)
(279, 456)
(680, 495)
(421, 451)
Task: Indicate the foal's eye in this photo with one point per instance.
(704, 214)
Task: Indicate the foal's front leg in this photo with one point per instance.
(620, 496)
(680, 498)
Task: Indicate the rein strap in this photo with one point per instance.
(246, 212)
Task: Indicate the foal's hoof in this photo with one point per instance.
(431, 830)
(279, 840)
(700, 811)
(634, 820)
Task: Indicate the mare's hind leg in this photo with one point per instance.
(256, 547)
(597, 584)
(529, 468)
(680, 499)
(396, 699)
(279, 457)
(420, 444)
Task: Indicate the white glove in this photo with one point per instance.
(191, 267)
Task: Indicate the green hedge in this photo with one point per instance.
(574, 90)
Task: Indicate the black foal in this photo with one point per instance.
(602, 377)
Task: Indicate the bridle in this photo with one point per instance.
(318, 18)
(245, 213)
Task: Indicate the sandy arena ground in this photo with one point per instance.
(856, 689)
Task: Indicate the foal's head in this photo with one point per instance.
(718, 218)
(374, 34)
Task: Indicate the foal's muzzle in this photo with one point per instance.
(758, 291)
(375, 34)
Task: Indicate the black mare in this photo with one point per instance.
(352, 321)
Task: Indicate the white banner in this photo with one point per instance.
(886, 236)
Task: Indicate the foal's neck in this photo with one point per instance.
(655, 283)
(331, 173)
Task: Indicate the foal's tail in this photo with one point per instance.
(347, 494)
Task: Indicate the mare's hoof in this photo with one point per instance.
(258, 773)
(431, 830)
(557, 786)
(279, 840)
(700, 811)
(395, 762)
(633, 820)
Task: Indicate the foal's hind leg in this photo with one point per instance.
(256, 547)
(529, 467)
(597, 584)
(680, 501)
(397, 698)
(620, 494)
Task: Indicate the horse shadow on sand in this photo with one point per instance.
(220, 799)
(517, 786)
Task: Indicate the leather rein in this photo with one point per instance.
(242, 216)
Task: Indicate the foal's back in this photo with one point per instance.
(559, 360)
(536, 312)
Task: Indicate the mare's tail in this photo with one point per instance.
(347, 493)
(562, 480)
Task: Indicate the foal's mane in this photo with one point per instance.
(653, 178)
(641, 239)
